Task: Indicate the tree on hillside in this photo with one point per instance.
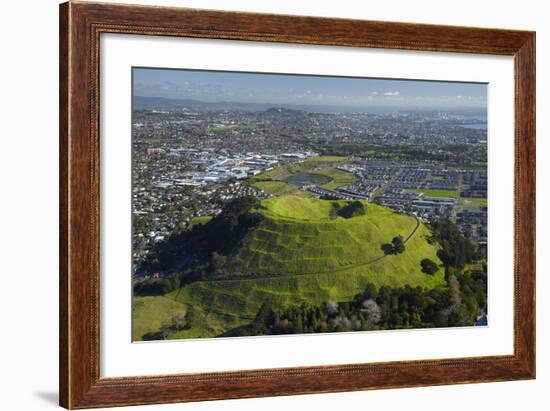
(371, 291)
(352, 209)
(429, 266)
(398, 244)
(387, 248)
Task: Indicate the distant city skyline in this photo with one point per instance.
(261, 88)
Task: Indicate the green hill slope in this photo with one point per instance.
(302, 252)
(298, 236)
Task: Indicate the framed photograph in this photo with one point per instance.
(260, 205)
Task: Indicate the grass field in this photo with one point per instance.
(150, 313)
(207, 323)
(339, 178)
(297, 254)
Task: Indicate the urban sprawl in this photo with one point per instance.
(188, 162)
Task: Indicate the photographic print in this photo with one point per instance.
(275, 204)
(243, 192)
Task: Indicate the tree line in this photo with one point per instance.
(382, 308)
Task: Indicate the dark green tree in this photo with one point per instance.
(353, 209)
(387, 248)
(398, 244)
(429, 266)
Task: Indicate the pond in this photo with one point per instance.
(307, 178)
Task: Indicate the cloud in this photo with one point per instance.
(374, 93)
(391, 93)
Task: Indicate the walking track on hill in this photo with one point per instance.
(348, 267)
(208, 311)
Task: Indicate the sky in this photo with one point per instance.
(217, 86)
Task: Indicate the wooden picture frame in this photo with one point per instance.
(80, 27)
